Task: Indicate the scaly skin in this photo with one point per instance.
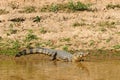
(55, 54)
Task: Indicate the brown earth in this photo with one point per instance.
(60, 25)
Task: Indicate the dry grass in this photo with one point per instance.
(69, 31)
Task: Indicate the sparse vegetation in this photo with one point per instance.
(113, 6)
(116, 54)
(116, 46)
(45, 43)
(28, 9)
(103, 29)
(75, 29)
(17, 20)
(78, 24)
(3, 11)
(11, 30)
(13, 5)
(54, 8)
(65, 47)
(28, 45)
(107, 24)
(30, 36)
(70, 6)
(43, 30)
(9, 47)
(65, 39)
(92, 42)
(48, 43)
(9, 51)
(16, 44)
(78, 6)
(38, 44)
(36, 19)
(109, 39)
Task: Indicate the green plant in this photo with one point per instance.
(30, 36)
(9, 51)
(92, 42)
(70, 6)
(65, 47)
(48, 43)
(54, 8)
(28, 9)
(78, 6)
(36, 19)
(3, 11)
(65, 39)
(116, 46)
(113, 6)
(109, 39)
(11, 26)
(42, 30)
(11, 30)
(15, 44)
(9, 47)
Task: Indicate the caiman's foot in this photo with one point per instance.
(53, 57)
(82, 60)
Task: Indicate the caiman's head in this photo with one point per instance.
(79, 56)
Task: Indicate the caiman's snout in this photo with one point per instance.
(79, 56)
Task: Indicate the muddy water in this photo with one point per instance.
(56, 70)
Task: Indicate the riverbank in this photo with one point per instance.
(60, 25)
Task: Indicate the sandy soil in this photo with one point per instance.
(60, 25)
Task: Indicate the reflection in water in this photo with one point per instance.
(57, 70)
(82, 68)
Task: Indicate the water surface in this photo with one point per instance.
(25, 69)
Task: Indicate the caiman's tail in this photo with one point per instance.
(33, 51)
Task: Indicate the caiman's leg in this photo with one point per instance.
(53, 56)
